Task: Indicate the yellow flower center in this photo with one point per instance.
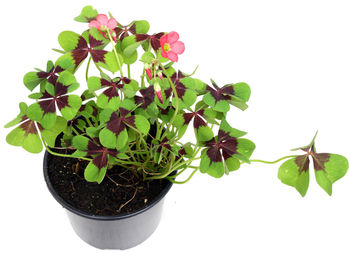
(166, 47)
(103, 28)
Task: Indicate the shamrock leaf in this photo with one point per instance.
(115, 134)
(221, 98)
(147, 97)
(224, 152)
(184, 87)
(136, 27)
(26, 134)
(328, 169)
(109, 98)
(44, 111)
(33, 79)
(96, 169)
(202, 131)
(78, 48)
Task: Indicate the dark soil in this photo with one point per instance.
(120, 192)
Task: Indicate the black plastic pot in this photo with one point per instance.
(112, 232)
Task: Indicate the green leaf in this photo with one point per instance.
(242, 90)
(245, 147)
(50, 135)
(93, 174)
(336, 167)
(232, 164)
(232, 131)
(94, 83)
(129, 45)
(35, 113)
(68, 40)
(111, 63)
(23, 110)
(220, 106)
(204, 133)
(31, 142)
(289, 174)
(323, 181)
(87, 14)
(105, 102)
(141, 26)
(74, 104)
(214, 169)
(142, 124)
(93, 132)
(80, 142)
(31, 80)
(108, 138)
(147, 57)
(79, 154)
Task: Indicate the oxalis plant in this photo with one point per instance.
(136, 119)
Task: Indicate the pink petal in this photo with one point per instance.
(173, 37)
(163, 39)
(102, 18)
(172, 56)
(159, 95)
(95, 24)
(112, 23)
(149, 73)
(178, 47)
(163, 53)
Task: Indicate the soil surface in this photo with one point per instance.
(120, 192)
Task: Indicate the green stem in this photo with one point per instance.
(129, 73)
(185, 181)
(87, 70)
(58, 51)
(64, 155)
(176, 99)
(98, 67)
(278, 160)
(115, 53)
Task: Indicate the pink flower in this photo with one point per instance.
(171, 47)
(103, 24)
(158, 92)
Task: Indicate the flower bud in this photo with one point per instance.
(158, 91)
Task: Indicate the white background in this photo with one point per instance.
(296, 57)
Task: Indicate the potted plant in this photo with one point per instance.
(113, 152)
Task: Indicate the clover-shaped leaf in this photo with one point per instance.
(328, 169)
(202, 131)
(184, 87)
(115, 134)
(78, 48)
(109, 98)
(221, 98)
(44, 111)
(32, 79)
(26, 134)
(136, 27)
(224, 152)
(96, 169)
